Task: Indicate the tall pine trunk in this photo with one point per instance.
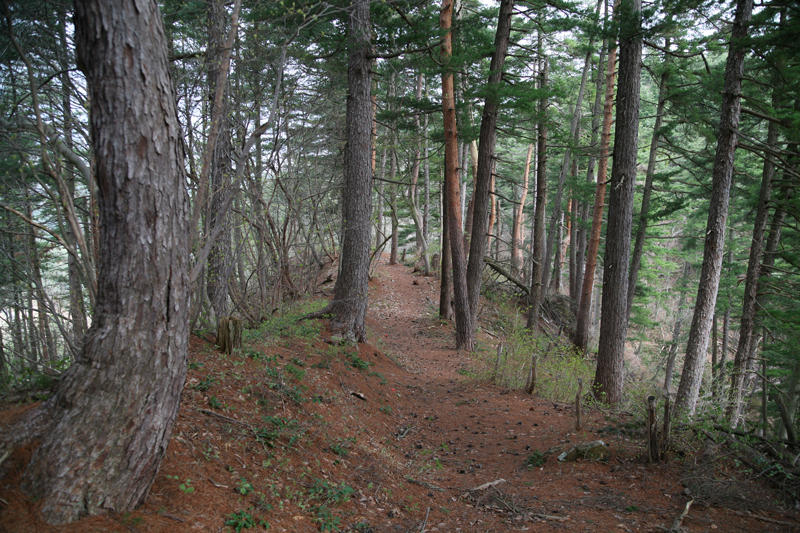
(608, 379)
(113, 411)
(488, 134)
(349, 305)
(585, 303)
(722, 176)
(517, 234)
(644, 212)
(463, 315)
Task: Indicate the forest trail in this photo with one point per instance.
(400, 436)
(479, 434)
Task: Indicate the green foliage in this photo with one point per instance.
(242, 519)
(536, 459)
(288, 324)
(342, 446)
(205, 383)
(278, 428)
(244, 487)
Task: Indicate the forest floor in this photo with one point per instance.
(400, 436)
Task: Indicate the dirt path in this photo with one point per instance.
(471, 434)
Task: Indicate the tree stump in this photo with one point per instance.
(229, 334)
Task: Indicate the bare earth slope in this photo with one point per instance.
(397, 436)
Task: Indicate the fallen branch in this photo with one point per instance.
(487, 485)
(764, 518)
(549, 517)
(424, 522)
(424, 484)
(676, 524)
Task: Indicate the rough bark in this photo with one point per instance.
(641, 230)
(608, 379)
(463, 315)
(349, 305)
(419, 226)
(593, 245)
(722, 177)
(479, 238)
(113, 411)
(220, 257)
(446, 270)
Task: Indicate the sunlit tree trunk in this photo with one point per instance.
(593, 244)
(463, 315)
(517, 233)
(722, 176)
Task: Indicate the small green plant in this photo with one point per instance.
(387, 409)
(342, 447)
(194, 365)
(185, 487)
(379, 376)
(298, 362)
(205, 383)
(536, 459)
(357, 362)
(296, 372)
(214, 403)
(244, 487)
(241, 519)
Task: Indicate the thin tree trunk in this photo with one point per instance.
(113, 411)
(488, 134)
(422, 242)
(751, 286)
(644, 212)
(585, 302)
(694, 362)
(463, 315)
(446, 271)
(608, 380)
(676, 327)
(517, 234)
(537, 259)
(565, 163)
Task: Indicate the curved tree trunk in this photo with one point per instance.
(722, 175)
(349, 305)
(608, 379)
(113, 411)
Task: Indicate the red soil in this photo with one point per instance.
(413, 446)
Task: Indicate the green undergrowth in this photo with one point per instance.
(558, 364)
(288, 324)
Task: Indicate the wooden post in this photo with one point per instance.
(497, 361)
(652, 432)
(667, 424)
(229, 334)
(531, 386)
(578, 405)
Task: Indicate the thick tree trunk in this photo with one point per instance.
(641, 230)
(463, 315)
(220, 257)
(349, 305)
(488, 134)
(113, 411)
(734, 407)
(608, 379)
(517, 233)
(695, 360)
(446, 271)
(537, 257)
(585, 302)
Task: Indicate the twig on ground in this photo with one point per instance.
(425, 522)
(424, 484)
(764, 518)
(489, 484)
(676, 524)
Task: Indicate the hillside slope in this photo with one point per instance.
(396, 435)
